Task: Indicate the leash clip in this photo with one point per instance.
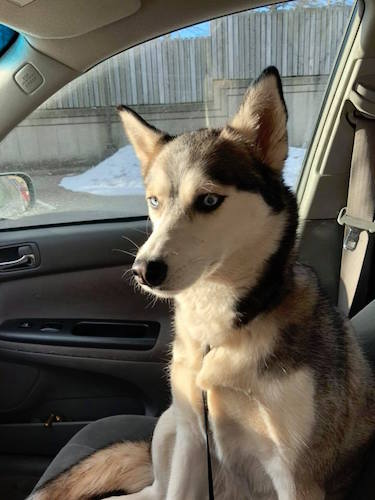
(354, 226)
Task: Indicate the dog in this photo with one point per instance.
(290, 398)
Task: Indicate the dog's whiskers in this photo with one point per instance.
(140, 231)
(125, 273)
(152, 302)
(124, 251)
(131, 241)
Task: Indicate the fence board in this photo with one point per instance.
(300, 41)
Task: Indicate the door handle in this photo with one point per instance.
(27, 259)
(20, 257)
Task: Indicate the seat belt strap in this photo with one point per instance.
(358, 215)
(210, 480)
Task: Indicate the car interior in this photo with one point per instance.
(78, 344)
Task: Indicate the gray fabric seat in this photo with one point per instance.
(364, 326)
(98, 435)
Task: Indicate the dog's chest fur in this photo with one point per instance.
(252, 414)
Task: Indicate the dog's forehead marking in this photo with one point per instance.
(193, 160)
(157, 182)
(179, 170)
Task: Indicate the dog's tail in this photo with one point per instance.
(122, 467)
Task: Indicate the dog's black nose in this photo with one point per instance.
(151, 273)
(156, 272)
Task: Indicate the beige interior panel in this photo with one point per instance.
(366, 46)
(64, 18)
(325, 191)
(328, 162)
(15, 104)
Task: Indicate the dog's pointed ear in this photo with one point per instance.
(146, 140)
(262, 119)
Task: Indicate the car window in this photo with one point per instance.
(7, 36)
(74, 149)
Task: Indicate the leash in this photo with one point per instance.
(211, 495)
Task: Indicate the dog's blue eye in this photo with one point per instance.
(153, 201)
(208, 202)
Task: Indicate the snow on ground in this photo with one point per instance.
(293, 166)
(119, 174)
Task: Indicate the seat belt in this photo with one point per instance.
(210, 481)
(358, 215)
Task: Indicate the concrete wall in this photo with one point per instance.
(70, 139)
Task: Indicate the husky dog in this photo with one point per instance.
(290, 400)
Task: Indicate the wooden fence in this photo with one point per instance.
(168, 70)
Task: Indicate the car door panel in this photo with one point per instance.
(92, 345)
(75, 246)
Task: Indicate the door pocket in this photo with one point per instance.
(132, 335)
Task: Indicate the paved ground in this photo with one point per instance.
(51, 196)
(56, 204)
